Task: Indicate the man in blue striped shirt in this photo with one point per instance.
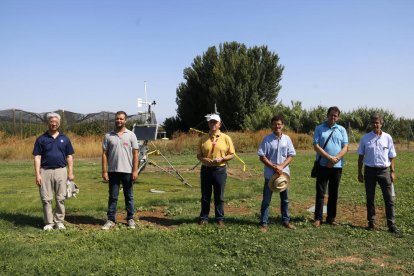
(276, 152)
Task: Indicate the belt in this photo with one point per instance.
(376, 168)
(46, 168)
(213, 167)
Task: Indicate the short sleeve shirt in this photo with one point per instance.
(53, 151)
(119, 150)
(215, 147)
(335, 144)
(276, 150)
(377, 150)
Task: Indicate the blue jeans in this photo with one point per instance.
(382, 176)
(267, 197)
(115, 179)
(328, 177)
(213, 179)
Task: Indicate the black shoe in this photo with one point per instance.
(393, 229)
(371, 226)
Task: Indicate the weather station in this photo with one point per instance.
(146, 132)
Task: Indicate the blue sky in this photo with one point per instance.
(94, 55)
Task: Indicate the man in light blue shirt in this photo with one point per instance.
(276, 152)
(377, 152)
(330, 141)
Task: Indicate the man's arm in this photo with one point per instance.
(105, 166)
(276, 167)
(69, 159)
(323, 153)
(360, 163)
(392, 174)
(37, 160)
(135, 163)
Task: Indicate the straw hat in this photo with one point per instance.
(279, 182)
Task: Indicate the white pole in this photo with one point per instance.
(145, 89)
(146, 101)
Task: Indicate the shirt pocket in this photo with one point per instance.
(283, 148)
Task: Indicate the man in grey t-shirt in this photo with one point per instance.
(120, 165)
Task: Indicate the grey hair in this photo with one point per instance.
(52, 115)
(377, 116)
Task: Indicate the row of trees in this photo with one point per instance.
(300, 120)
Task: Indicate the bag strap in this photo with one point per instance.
(326, 142)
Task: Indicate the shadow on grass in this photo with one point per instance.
(165, 221)
(22, 219)
(84, 220)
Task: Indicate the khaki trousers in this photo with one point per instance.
(53, 183)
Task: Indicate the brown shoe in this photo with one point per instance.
(264, 228)
(220, 223)
(288, 225)
(332, 222)
(317, 223)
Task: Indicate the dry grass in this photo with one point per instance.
(14, 148)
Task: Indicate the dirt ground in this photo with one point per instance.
(157, 217)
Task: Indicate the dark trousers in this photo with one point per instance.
(213, 179)
(267, 198)
(115, 179)
(328, 177)
(382, 176)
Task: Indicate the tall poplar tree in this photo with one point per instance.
(235, 78)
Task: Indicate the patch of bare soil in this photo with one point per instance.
(383, 262)
(347, 259)
(380, 262)
(354, 215)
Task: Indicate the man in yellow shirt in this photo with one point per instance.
(214, 150)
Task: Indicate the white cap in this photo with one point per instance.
(215, 117)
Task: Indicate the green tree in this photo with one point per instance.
(235, 78)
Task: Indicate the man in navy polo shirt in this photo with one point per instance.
(53, 164)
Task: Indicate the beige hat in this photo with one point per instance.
(279, 182)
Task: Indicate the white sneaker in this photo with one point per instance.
(60, 226)
(131, 224)
(108, 225)
(48, 227)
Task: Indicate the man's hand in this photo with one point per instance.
(71, 177)
(39, 180)
(392, 176)
(360, 177)
(105, 176)
(278, 169)
(134, 176)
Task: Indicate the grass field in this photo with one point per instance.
(168, 241)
